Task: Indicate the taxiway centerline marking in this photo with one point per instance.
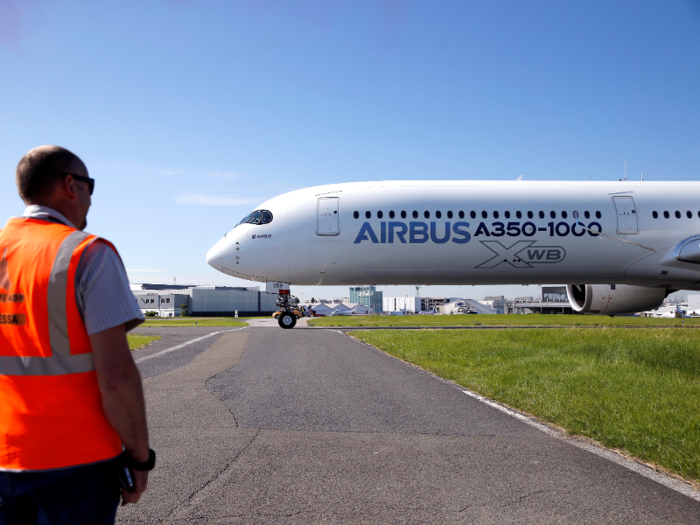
(182, 345)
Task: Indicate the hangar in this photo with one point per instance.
(203, 301)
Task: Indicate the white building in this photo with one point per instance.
(206, 301)
(693, 303)
(415, 304)
(495, 302)
(401, 304)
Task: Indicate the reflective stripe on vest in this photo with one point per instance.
(58, 283)
(61, 362)
(46, 366)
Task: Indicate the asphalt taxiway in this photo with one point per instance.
(264, 425)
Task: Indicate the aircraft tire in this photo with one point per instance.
(287, 320)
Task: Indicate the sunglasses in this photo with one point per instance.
(90, 182)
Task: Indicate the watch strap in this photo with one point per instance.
(142, 465)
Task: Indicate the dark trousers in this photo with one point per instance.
(80, 495)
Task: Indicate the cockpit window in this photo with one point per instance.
(257, 217)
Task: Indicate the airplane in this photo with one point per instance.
(623, 246)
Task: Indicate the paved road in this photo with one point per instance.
(262, 425)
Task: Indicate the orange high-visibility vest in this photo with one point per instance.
(51, 414)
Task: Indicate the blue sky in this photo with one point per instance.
(189, 114)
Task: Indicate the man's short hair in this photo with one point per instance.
(41, 169)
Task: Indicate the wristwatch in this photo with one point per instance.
(142, 465)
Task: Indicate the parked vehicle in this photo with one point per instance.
(298, 313)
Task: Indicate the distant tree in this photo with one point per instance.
(151, 313)
(296, 300)
(313, 299)
(183, 310)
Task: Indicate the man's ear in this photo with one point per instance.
(67, 188)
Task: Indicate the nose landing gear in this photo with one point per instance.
(286, 319)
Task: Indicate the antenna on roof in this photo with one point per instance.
(625, 170)
(642, 175)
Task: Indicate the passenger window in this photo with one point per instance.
(541, 215)
(415, 214)
(553, 214)
(472, 214)
(666, 215)
(689, 214)
(678, 215)
(449, 214)
(426, 214)
(484, 215)
(392, 214)
(461, 215)
(356, 214)
(403, 214)
(368, 214)
(530, 215)
(439, 214)
(587, 214)
(495, 215)
(564, 215)
(380, 214)
(507, 214)
(655, 215)
(518, 215)
(598, 215)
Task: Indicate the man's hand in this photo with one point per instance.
(140, 482)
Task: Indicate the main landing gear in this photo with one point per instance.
(287, 319)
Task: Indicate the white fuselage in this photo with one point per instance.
(469, 232)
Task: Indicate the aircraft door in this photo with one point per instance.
(328, 216)
(627, 223)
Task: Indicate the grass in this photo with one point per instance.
(139, 341)
(634, 390)
(193, 321)
(499, 320)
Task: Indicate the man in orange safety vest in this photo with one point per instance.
(73, 433)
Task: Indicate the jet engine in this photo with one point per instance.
(613, 299)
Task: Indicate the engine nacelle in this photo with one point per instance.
(606, 299)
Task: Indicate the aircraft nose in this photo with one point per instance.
(214, 257)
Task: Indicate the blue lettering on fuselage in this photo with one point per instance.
(366, 234)
(417, 232)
